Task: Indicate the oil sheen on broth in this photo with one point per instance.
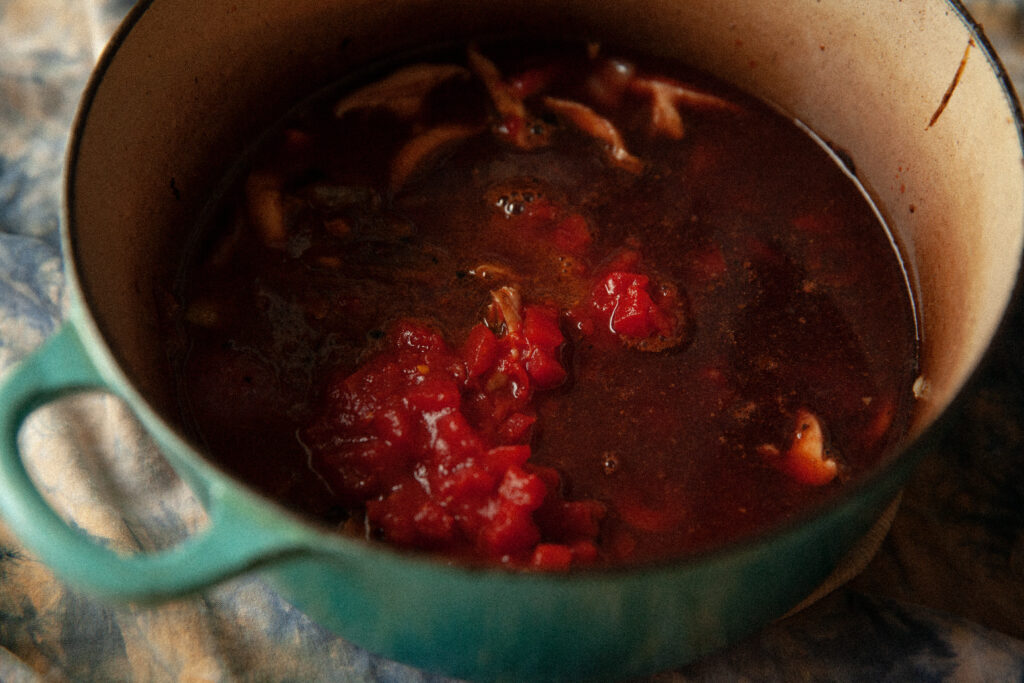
(547, 307)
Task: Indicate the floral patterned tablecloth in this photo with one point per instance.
(942, 600)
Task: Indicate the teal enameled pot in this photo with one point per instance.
(909, 92)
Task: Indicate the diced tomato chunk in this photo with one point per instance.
(510, 532)
(634, 313)
(432, 394)
(348, 476)
(453, 440)
(396, 514)
(394, 424)
(464, 484)
(572, 235)
(516, 428)
(432, 521)
(622, 304)
(584, 552)
(511, 126)
(522, 489)
(549, 475)
(501, 458)
(545, 371)
(540, 327)
(551, 557)
(433, 441)
(480, 350)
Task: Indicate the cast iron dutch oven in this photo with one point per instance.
(910, 91)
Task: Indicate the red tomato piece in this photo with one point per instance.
(533, 81)
(509, 533)
(480, 350)
(432, 442)
(540, 327)
(634, 313)
(452, 440)
(395, 514)
(622, 303)
(516, 428)
(522, 489)
(544, 370)
(572, 234)
(466, 484)
(584, 552)
(549, 475)
(501, 458)
(432, 394)
(810, 471)
(433, 522)
(395, 425)
(348, 475)
(551, 557)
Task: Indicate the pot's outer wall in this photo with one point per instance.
(186, 86)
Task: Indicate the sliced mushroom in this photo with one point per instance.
(598, 127)
(807, 459)
(422, 147)
(666, 96)
(264, 202)
(489, 271)
(403, 92)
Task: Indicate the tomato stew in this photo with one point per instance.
(542, 306)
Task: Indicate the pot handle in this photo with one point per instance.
(238, 537)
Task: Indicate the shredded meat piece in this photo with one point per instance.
(666, 96)
(598, 127)
(402, 92)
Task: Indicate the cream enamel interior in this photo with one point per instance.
(195, 82)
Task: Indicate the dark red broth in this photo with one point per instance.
(546, 307)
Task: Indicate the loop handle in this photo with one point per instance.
(241, 533)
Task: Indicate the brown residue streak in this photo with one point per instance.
(952, 86)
